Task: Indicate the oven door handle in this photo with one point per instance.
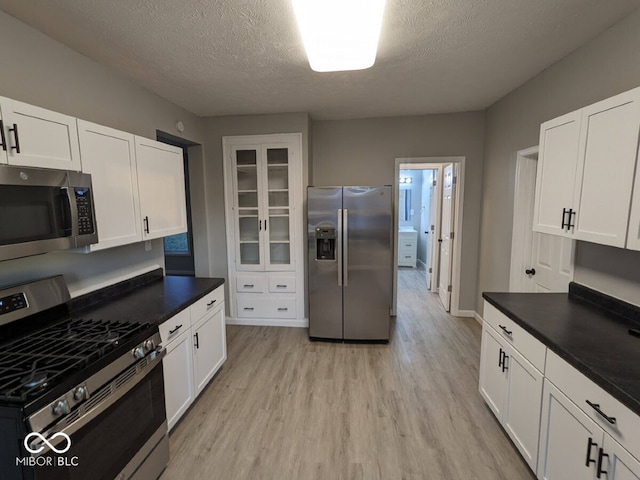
(98, 409)
(69, 211)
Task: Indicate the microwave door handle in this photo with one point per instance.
(69, 211)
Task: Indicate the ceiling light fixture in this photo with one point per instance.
(339, 35)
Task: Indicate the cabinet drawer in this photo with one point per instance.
(207, 304)
(409, 244)
(531, 348)
(175, 326)
(282, 284)
(576, 386)
(266, 307)
(250, 284)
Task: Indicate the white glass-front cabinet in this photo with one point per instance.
(36, 137)
(262, 205)
(263, 181)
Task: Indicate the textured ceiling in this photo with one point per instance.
(224, 57)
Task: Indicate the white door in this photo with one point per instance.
(425, 208)
(209, 347)
(178, 377)
(539, 262)
(446, 257)
(493, 374)
(434, 230)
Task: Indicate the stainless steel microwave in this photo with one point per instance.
(44, 210)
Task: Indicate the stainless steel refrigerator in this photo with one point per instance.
(350, 262)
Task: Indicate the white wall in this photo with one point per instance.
(38, 70)
(363, 152)
(607, 65)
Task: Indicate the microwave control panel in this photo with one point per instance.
(85, 212)
(12, 303)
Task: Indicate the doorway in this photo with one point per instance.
(539, 262)
(420, 247)
(178, 249)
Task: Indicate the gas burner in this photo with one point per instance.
(35, 379)
(112, 337)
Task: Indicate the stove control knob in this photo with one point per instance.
(61, 408)
(138, 352)
(80, 393)
(149, 345)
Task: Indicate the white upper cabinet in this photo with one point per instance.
(586, 171)
(109, 156)
(36, 137)
(557, 165)
(161, 184)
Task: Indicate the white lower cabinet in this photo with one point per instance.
(178, 377)
(512, 387)
(196, 345)
(619, 464)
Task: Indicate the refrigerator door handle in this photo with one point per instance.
(339, 247)
(345, 248)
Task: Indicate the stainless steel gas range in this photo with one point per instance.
(80, 398)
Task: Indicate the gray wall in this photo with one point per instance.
(217, 127)
(607, 65)
(38, 70)
(363, 152)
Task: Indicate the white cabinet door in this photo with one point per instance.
(493, 376)
(569, 439)
(522, 406)
(210, 347)
(109, 156)
(615, 463)
(604, 180)
(557, 167)
(178, 377)
(161, 184)
(36, 137)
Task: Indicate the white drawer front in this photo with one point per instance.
(406, 244)
(576, 386)
(282, 284)
(266, 307)
(175, 326)
(250, 284)
(207, 304)
(530, 347)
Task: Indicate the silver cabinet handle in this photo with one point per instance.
(345, 253)
(248, 285)
(282, 309)
(248, 308)
(281, 286)
(339, 247)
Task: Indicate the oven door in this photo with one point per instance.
(35, 212)
(126, 440)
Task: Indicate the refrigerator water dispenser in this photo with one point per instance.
(325, 243)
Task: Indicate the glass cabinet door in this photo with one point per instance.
(248, 211)
(278, 227)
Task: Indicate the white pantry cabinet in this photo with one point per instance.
(196, 345)
(586, 171)
(160, 170)
(264, 206)
(36, 137)
(510, 384)
(109, 156)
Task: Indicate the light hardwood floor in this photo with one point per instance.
(283, 407)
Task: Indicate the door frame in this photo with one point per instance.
(523, 205)
(457, 240)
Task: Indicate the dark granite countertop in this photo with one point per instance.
(582, 328)
(149, 298)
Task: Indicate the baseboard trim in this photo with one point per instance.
(465, 313)
(268, 322)
(477, 317)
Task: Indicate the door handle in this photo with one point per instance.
(339, 241)
(439, 240)
(16, 147)
(530, 271)
(590, 460)
(3, 139)
(345, 247)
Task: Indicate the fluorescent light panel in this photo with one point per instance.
(339, 34)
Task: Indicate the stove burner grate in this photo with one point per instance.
(33, 363)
